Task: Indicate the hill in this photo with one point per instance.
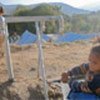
(66, 9)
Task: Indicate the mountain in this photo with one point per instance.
(66, 9)
(9, 9)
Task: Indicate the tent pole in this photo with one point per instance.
(8, 56)
(41, 61)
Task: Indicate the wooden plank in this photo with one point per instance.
(24, 19)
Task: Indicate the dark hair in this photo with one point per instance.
(1, 10)
(96, 50)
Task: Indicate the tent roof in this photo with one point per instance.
(27, 38)
(71, 37)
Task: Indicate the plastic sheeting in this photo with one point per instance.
(27, 38)
(71, 37)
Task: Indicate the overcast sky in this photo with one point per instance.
(75, 3)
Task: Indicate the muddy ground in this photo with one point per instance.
(57, 59)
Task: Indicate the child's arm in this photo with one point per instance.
(90, 85)
(79, 86)
(79, 72)
(76, 72)
(94, 84)
(2, 25)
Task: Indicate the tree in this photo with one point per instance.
(41, 10)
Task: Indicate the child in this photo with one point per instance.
(2, 30)
(90, 71)
(14, 37)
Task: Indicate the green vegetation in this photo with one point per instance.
(83, 23)
(41, 10)
(86, 23)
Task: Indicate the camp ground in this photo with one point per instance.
(31, 68)
(28, 38)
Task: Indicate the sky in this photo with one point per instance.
(75, 3)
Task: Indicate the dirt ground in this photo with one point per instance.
(57, 59)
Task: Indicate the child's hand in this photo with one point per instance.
(85, 88)
(64, 77)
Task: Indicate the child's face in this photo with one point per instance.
(94, 62)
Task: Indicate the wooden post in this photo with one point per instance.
(8, 56)
(42, 73)
(61, 24)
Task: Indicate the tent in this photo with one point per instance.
(71, 37)
(45, 37)
(27, 38)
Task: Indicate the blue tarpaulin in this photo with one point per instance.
(82, 96)
(71, 37)
(45, 37)
(27, 38)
